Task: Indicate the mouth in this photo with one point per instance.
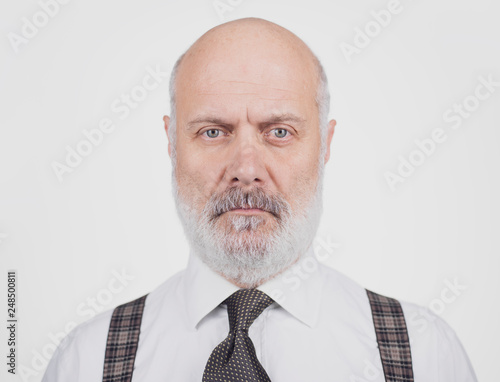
(242, 210)
(247, 211)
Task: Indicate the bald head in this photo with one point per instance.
(250, 37)
(253, 50)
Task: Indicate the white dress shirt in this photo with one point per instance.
(318, 329)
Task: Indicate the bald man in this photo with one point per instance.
(249, 137)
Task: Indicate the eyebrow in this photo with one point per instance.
(205, 119)
(271, 119)
(284, 117)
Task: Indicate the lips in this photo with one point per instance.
(247, 209)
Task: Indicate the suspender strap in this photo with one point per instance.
(392, 338)
(123, 340)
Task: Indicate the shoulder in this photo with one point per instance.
(426, 327)
(435, 346)
(77, 356)
(437, 353)
(80, 355)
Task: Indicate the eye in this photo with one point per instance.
(212, 133)
(280, 132)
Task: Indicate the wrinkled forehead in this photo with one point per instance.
(273, 72)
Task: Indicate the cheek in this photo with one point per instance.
(196, 180)
(305, 183)
(301, 179)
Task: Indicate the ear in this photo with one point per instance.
(166, 120)
(329, 135)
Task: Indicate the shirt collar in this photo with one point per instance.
(298, 290)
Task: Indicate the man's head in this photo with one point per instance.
(248, 139)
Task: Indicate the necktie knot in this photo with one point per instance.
(244, 306)
(234, 359)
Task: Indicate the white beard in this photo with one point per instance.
(242, 253)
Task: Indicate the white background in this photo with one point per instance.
(115, 212)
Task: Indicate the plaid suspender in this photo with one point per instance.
(392, 338)
(123, 340)
(390, 328)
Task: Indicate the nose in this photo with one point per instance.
(247, 163)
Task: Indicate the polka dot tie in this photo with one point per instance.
(234, 359)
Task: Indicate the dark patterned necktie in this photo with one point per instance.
(234, 359)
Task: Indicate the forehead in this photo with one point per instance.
(229, 79)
